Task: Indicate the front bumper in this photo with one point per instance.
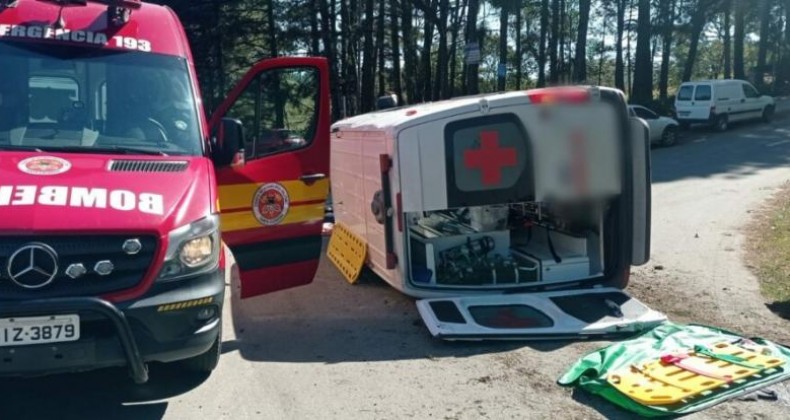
(161, 326)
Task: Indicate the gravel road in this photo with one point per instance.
(334, 351)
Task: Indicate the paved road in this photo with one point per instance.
(331, 350)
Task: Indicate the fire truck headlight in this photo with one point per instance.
(192, 249)
(196, 252)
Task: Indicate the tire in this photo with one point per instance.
(721, 124)
(208, 361)
(670, 136)
(768, 114)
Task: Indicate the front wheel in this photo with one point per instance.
(768, 114)
(722, 123)
(669, 137)
(208, 361)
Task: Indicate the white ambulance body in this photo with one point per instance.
(513, 215)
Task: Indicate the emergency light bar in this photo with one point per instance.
(118, 11)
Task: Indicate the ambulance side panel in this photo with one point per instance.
(356, 177)
(348, 197)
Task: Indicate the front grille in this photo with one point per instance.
(128, 270)
(148, 166)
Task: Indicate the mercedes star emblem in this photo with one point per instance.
(33, 266)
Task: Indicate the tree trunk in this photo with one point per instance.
(697, 24)
(668, 16)
(329, 53)
(314, 35)
(503, 15)
(472, 82)
(554, 76)
(425, 91)
(380, 49)
(762, 51)
(580, 68)
(544, 28)
(519, 49)
(440, 86)
(727, 39)
(739, 69)
(395, 41)
(368, 61)
(409, 52)
(619, 66)
(457, 17)
(561, 65)
(628, 58)
(643, 74)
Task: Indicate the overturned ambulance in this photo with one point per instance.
(512, 215)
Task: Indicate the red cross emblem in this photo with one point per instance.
(490, 159)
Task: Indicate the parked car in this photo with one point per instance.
(663, 130)
(721, 102)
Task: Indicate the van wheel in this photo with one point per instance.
(208, 361)
(721, 123)
(669, 137)
(768, 114)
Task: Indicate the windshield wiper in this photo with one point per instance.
(18, 147)
(88, 149)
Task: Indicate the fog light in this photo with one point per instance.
(206, 313)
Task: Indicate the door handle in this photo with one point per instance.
(310, 178)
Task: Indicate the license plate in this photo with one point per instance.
(684, 113)
(39, 330)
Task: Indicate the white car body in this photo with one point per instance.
(720, 102)
(660, 127)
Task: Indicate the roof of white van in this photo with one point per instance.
(420, 113)
(710, 81)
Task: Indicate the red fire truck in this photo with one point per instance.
(114, 185)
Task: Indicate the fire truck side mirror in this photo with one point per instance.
(227, 141)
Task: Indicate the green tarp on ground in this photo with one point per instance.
(590, 371)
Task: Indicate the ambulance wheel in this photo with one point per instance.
(208, 361)
(721, 124)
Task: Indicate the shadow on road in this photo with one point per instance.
(106, 394)
(745, 149)
(781, 309)
(330, 321)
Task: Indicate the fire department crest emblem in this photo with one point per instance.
(270, 204)
(44, 165)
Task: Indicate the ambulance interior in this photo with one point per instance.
(509, 245)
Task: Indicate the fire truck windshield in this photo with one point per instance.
(55, 97)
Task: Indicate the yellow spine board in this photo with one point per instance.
(347, 251)
(657, 383)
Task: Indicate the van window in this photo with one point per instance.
(703, 93)
(749, 91)
(685, 93)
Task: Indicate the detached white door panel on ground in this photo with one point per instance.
(593, 313)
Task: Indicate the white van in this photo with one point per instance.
(720, 102)
(513, 215)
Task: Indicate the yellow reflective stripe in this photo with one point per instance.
(246, 219)
(241, 195)
(184, 305)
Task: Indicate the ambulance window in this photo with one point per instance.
(279, 111)
(50, 97)
(488, 161)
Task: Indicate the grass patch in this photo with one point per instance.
(769, 247)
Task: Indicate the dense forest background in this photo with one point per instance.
(425, 50)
